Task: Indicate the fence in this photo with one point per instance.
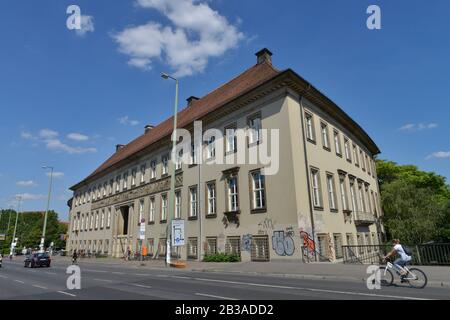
(423, 254)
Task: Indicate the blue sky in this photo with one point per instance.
(67, 98)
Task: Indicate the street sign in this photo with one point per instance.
(178, 233)
(2, 237)
(142, 232)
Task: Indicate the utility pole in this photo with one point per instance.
(13, 241)
(171, 205)
(42, 245)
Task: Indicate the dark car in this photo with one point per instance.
(38, 260)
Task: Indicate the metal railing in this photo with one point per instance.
(423, 254)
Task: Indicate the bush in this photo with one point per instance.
(222, 257)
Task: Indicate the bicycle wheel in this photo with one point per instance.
(417, 278)
(386, 277)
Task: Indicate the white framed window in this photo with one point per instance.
(133, 177)
(367, 164)
(361, 197)
(331, 192)
(94, 194)
(99, 194)
(143, 167)
(255, 127)
(258, 190)
(118, 184)
(102, 221)
(153, 169)
(141, 210)
(348, 154)
(165, 164)
(212, 206)
(343, 190)
(233, 196)
(355, 155)
(317, 193)
(353, 196)
(89, 194)
(374, 204)
(211, 148)
(108, 219)
(105, 186)
(337, 143)
(178, 204)
(78, 221)
(151, 217)
(91, 224)
(97, 216)
(194, 154)
(363, 163)
(82, 222)
(325, 139)
(125, 180)
(309, 127)
(231, 139)
(369, 204)
(164, 207)
(178, 164)
(193, 202)
(111, 186)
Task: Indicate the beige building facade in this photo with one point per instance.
(324, 194)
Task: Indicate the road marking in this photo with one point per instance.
(215, 297)
(19, 281)
(162, 276)
(53, 273)
(178, 277)
(103, 280)
(99, 271)
(117, 273)
(36, 286)
(311, 289)
(3, 277)
(140, 286)
(67, 294)
(141, 274)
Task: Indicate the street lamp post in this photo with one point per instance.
(171, 206)
(13, 241)
(42, 245)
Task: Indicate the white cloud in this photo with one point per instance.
(48, 134)
(87, 25)
(418, 126)
(27, 183)
(197, 34)
(57, 145)
(27, 136)
(29, 196)
(77, 137)
(440, 155)
(126, 121)
(56, 174)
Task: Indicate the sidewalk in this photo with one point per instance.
(437, 276)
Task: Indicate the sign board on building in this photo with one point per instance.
(2, 237)
(178, 233)
(142, 232)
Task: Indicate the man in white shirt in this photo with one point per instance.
(403, 259)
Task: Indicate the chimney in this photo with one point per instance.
(119, 146)
(264, 55)
(191, 100)
(148, 128)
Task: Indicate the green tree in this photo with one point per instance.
(416, 204)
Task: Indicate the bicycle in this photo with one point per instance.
(415, 277)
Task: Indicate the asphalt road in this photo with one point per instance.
(118, 282)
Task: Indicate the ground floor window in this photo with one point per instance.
(322, 246)
(260, 248)
(211, 246)
(233, 246)
(162, 248)
(192, 248)
(337, 237)
(150, 247)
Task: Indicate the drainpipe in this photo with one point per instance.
(302, 113)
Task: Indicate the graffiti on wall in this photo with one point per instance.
(247, 242)
(309, 246)
(283, 242)
(266, 226)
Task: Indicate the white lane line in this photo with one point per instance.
(103, 280)
(178, 277)
(117, 273)
(4, 277)
(98, 271)
(162, 276)
(67, 294)
(52, 273)
(19, 281)
(141, 274)
(140, 286)
(40, 287)
(215, 297)
(311, 289)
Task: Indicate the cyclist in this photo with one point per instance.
(402, 261)
(74, 257)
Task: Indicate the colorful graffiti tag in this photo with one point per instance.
(247, 242)
(283, 243)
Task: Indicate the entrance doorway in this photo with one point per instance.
(125, 212)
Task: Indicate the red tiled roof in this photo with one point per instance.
(246, 81)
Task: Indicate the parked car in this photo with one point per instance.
(38, 260)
